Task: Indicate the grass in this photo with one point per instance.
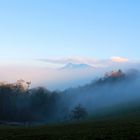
(109, 129)
(123, 124)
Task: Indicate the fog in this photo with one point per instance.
(58, 78)
(19, 103)
(102, 95)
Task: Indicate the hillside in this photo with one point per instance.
(21, 104)
(124, 128)
(43, 118)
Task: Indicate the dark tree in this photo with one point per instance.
(78, 113)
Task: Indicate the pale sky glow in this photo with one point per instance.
(32, 29)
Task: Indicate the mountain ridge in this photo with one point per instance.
(72, 66)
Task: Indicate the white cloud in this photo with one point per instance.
(86, 60)
(119, 59)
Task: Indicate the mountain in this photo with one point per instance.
(71, 66)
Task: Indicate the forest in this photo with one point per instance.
(21, 104)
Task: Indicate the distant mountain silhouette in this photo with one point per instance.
(71, 66)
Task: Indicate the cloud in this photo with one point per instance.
(86, 60)
(76, 60)
(119, 59)
(66, 60)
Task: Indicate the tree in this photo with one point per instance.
(78, 113)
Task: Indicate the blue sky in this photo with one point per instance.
(40, 29)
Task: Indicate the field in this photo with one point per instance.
(116, 129)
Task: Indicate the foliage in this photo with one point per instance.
(78, 113)
(20, 103)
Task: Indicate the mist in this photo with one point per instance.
(59, 78)
(107, 92)
(21, 103)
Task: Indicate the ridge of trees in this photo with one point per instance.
(19, 103)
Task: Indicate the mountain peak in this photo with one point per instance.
(76, 66)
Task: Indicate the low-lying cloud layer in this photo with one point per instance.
(68, 72)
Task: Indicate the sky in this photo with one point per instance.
(32, 29)
(37, 35)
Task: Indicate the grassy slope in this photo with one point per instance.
(123, 124)
(124, 128)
